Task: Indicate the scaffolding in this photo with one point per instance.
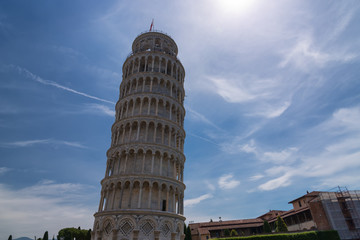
(342, 208)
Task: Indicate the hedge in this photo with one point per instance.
(328, 235)
(312, 235)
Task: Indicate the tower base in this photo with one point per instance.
(138, 225)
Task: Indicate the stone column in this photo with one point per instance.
(156, 107)
(157, 235)
(101, 201)
(159, 198)
(148, 111)
(155, 128)
(174, 167)
(168, 168)
(174, 202)
(114, 234)
(126, 159)
(169, 140)
(161, 161)
(121, 195)
(141, 105)
(113, 197)
(162, 135)
(152, 163)
(138, 132)
(140, 195)
(137, 85)
(130, 194)
(167, 199)
(150, 196)
(135, 234)
(143, 163)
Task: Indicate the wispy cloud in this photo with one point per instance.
(194, 201)
(48, 204)
(266, 97)
(29, 143)
(277, 157)
(231, 92)
(99, 109)
(228, 182)
(280, 156)
(38, 79)
(4, 170)
(271, 110)
(256, 177)
(282, 181)
(196, 116)
(203, 138)
(305, 55)
(340, 154)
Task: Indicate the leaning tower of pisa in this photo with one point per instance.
(142, 192)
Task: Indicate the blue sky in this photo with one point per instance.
(272, 101)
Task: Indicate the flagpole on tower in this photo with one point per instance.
(152, 25)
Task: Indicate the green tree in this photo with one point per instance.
(46, 236)
(88, 235)
(188, 233)
(233, 233)
(10, 237)
(267, 228)
(71, 233)
(280, 225)
(226, 233)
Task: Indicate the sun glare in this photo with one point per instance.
(235, 6)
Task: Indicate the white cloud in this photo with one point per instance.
(283, 156)
(210, 186)
(29, 143)
(4, 170)
(282, 181)
(194, 201)
(256, 177)
(343, 121)
(332, 160)
(46, 206)
(248, 148)
(228, 182)
(280, 157)
(99, 108)
(264, 97)
(230, 92)
(272, 111)
(305, 55)
(236, 146)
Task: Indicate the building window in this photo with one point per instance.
(164, 205)
(299, 204)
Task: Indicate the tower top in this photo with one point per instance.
(155, 41)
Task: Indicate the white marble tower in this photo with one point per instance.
(142, 191)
